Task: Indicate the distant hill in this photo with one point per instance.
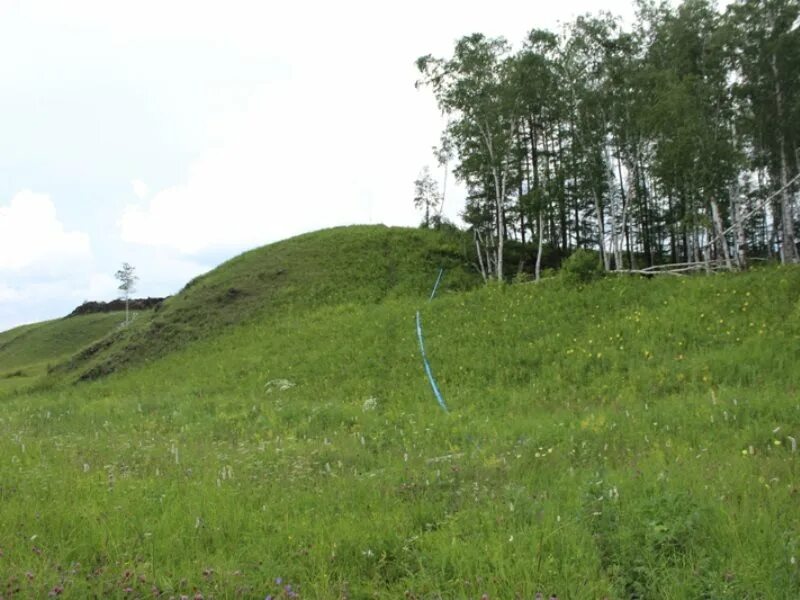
(27, 351)
(358, 264)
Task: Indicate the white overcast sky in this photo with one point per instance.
(174, 134)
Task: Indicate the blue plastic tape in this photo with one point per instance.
(435, 387)
(436, 285)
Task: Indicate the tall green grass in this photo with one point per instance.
(361, 264)
(624, 439)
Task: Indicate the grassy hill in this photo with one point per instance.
(26, 352)
(629, 438)
(363, 264)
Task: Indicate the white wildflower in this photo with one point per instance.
(280, 385)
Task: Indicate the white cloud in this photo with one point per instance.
(45, 267)
(140, 189)
(31, 236)
(336, 137)
(100, 286)
(224, 126)
(284, 163)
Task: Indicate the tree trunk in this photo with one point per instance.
(614, 216)
(601, 229)
(538, 269)
(789, 246)
(478, 251)
(719, 230)
(623, 233)
(519, 204)
(501, 225)
(673, 247)
(499, 195)
(741, 238)
(574, 186)
(533, 185)
(562, 194)
(632, 197)
(647, 226)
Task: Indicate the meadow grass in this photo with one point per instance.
(358, 264)
(28, 351)
(629, 438)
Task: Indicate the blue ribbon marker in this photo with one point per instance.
(435, 387)
(436, 285)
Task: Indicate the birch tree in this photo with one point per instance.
(767, 51)
(427, 197)
(472, 88)
(667, 141)
(127, 284)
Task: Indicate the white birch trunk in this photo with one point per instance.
(602, 232)
(719, 231)
(787, 212)
(737, 216)
(789, 246)
(614, 212)
(540, 226)
(623, 225)
(499, 224)
(480, 257)
(631, 195)
(741, 238)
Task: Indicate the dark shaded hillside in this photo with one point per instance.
(359, 265)
(92, 307)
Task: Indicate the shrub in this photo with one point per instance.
(582, 266)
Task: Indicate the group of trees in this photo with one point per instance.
(675, 141)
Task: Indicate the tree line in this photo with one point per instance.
(676, 140)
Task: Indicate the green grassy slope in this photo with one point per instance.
(628, 439)
(26, 352)
(363, 264)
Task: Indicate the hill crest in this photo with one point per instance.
(361, 264)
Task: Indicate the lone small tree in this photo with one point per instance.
(427, 197)
(127, 284)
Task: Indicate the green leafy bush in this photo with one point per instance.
(582, 266)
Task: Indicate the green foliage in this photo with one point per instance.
(631, 439)
(629, 137)
(427, 198)
(582, 266)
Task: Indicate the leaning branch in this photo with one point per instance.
(759, 206)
